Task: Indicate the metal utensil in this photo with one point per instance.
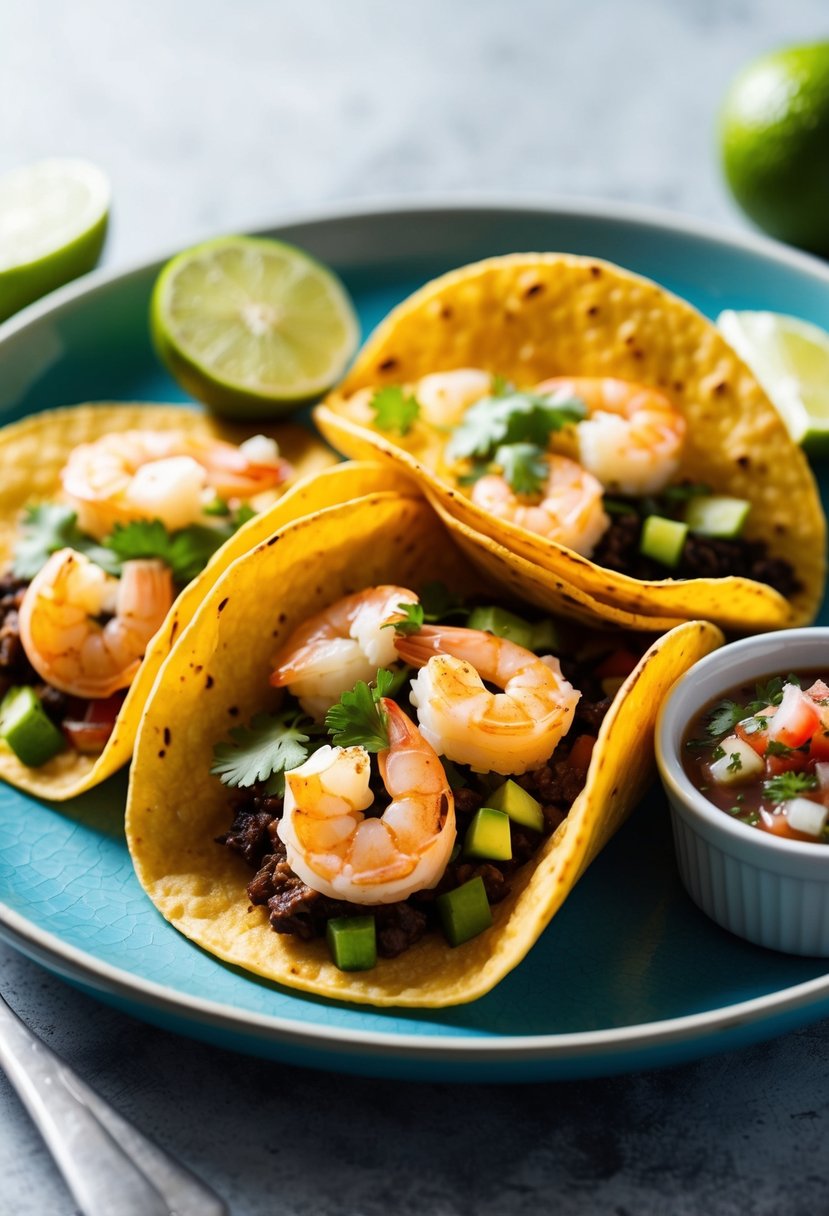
(109, 1166)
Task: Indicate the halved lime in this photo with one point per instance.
(252, 327)
(53, 220)
(790, 358)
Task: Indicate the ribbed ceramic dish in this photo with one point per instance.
(772, 891)
(630, 973)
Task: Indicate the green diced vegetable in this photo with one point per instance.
(663, 539)
(487, 837)
(28, 729)
(464, 912)
(352, 941)
(717, 515)
(502, 623)
(521, 807)
(544, 637)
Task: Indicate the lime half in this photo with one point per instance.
(252, 327)
(790, 358)
(53, 220)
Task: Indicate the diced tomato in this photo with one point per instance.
(794, 762)
(581, 751)
(620, 663)
(796, 720)
(90, 733)
(819, 747)
(752, 734)
(819, 691)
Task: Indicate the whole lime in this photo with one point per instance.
(775, 144)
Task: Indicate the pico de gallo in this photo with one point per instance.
(761, 754)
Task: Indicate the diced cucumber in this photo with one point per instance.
(521, 807)
(717, 515)
(28, 729)
(740, 762)
(663, 539)
(487, 837)
(464, 912)
(502, 623)
(544, 637)
(352, 941)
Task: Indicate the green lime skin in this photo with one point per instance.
(22, 285)
(774, 136)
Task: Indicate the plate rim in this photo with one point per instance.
(73, 962)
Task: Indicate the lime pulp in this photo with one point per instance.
(252, 327)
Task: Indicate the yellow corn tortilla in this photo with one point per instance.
(33, 452)
(532, 316)
(217, 677)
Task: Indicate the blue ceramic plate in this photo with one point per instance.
(630, 973)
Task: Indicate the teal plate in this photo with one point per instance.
(629, 974)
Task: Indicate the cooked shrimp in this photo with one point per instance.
(633, 435)
(166, 475)
(500, 732)
(444, 397)
(62, 633)
(339, 646)
(337, 851)
(568, 508)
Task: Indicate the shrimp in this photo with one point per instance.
(632, 439)
(568, 511)
(61, 631)
(164, 475)
(337, 851)
(337, 647)
(444, 397)
(512, 731)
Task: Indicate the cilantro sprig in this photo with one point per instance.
(186, 551)
(50, 526)
(270, 746)
(509, 418)
(411, 620)
(357, 719)
(789, 785)
(394, 409)
(523, 465)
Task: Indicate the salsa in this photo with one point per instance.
(761, 754)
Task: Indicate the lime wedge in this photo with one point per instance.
(252, 327)
(53, 220)
(790, 358)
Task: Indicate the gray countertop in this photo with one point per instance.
(215, 117)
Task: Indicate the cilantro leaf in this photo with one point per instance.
(718, 753)
(217, 507)
(357, 720)
(50, 526)
(394, 409)
(735, 763)
(273, 743)
(724, 717)
(515, 417)
(186, 551)
(524, 467)
(412, 619)
(788, 785)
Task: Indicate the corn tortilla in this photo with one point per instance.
(217, 676)
(33, 452)
(532, 316)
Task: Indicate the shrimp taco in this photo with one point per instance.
(114, 522)
(367, 774)
(601, 428)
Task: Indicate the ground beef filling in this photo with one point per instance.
(295, 909)
(702, 557)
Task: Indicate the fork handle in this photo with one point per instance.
(111, 1168)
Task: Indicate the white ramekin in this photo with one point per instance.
(772, 891)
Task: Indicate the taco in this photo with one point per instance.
(287, 705)
(599, 427)
(114, 522)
